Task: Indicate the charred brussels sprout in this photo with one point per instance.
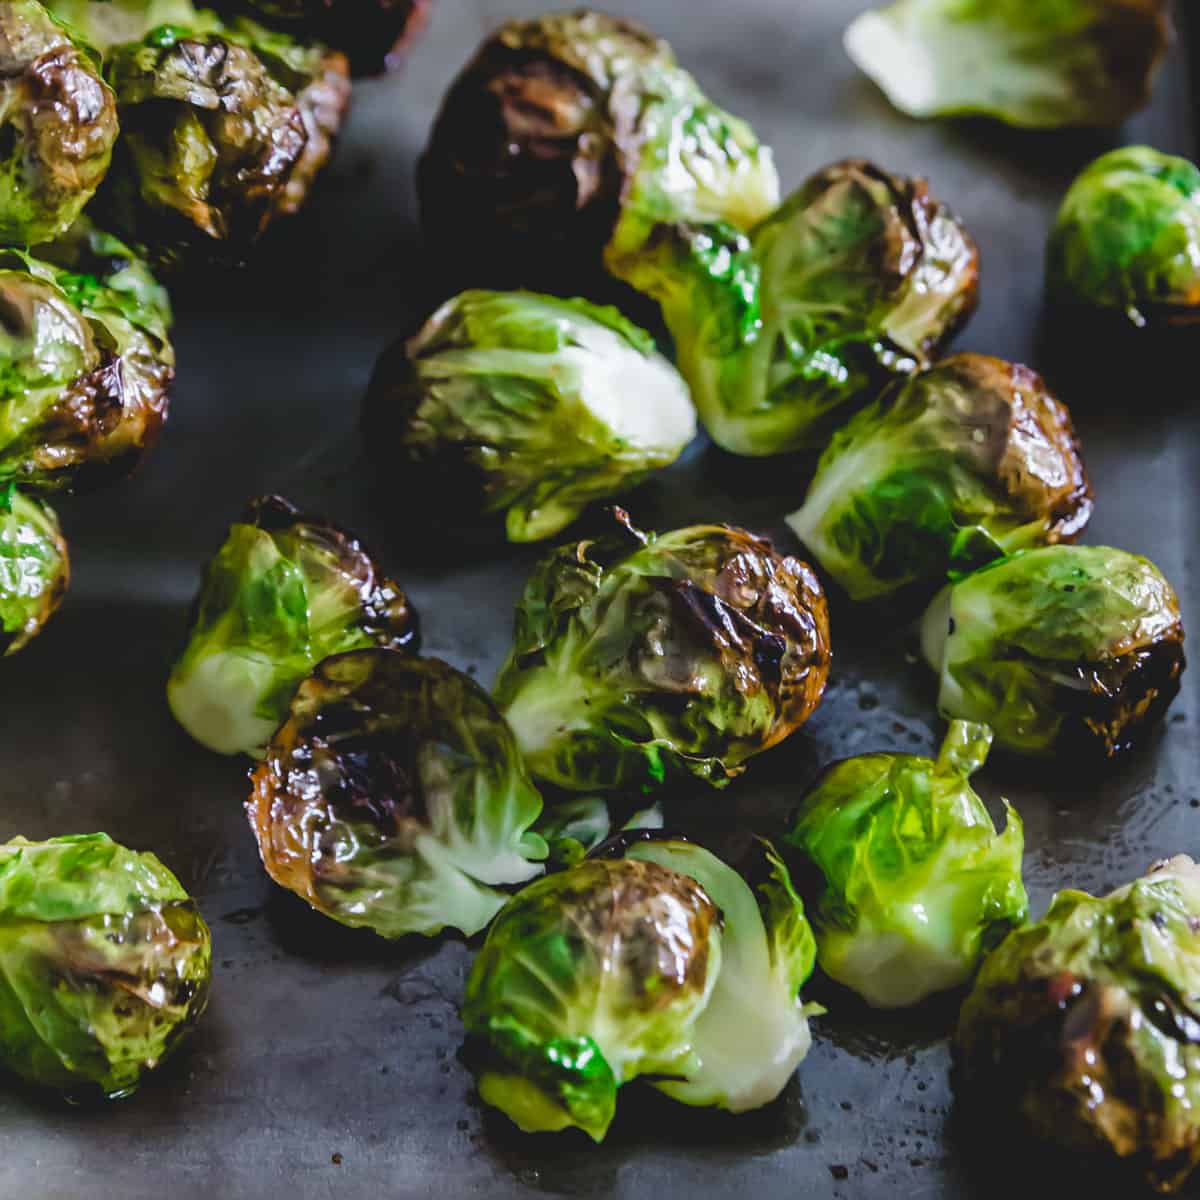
(394, 797)
(85, 362)
(34, 568)
(1086, 1027)
(959, 465)
(1040, 65)
(285, 591)
(104, 964)
(916, 883)
(527, 405)
(638, 655)
(858, 278)
(1127, 239)
(1062, 647)
(58, 123)
(574, 129)
(662, 963)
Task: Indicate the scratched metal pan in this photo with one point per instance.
(326, 1065)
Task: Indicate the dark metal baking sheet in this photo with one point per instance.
(326, 1065)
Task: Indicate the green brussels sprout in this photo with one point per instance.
(916, 884)
(527, 405)
(960, 464)
(105, 964)
(637, 655)
(1085, 1026)
(58, 123)
(34, 569)
(664, 964)
(1076, 648)
(394, 797)
(574, 129)
(857, 279)
(284, 591)
(85, 361)
(1033, 64)
(1127, 238)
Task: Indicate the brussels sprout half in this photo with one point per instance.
(639, 655)
(105, 964)
(963, 463)
(1086, 1026)
(527, 405)
(34, 569)
(394, 797)
(1058, 648)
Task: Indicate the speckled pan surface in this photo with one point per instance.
(326, 1065)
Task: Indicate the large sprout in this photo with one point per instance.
(1060, 648)
(527, 406)
(961, 464)
(34, 568)
(104, 964)
(685, 653)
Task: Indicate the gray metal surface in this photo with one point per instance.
(326, 1065)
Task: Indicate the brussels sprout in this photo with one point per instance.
(1127, 238)
(1040, 65)
(1062, 647)
(58, 123)
(34, 569)
(638, 655)
(858, 278)
(916, 885)
(664, 964)
(963, 463)
(529, 405)
(104, 964)
(85, 362)
(1086, 1026)
(573, 129)
(285, 591)
(394, 797)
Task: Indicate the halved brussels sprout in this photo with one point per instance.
(285, 591)
(639, 655)
(963, 463)
(858, 278)
(34, 569)
(663, 963)
(528, 405)
(1086, 1026)
(1025, 62)
(917, 885)
(1060, 648)
(1127, 238)
(58, 123)
(394, 797)
(85, 358)
(105, 964)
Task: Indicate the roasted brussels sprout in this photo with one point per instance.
(664, 963)
(1086, 1028)
(860, 277)
(34, 568)
(637, 656)
(963, 463)
(574, 129)
(58, 123)
(394, 797)
(916, 885)
(1127, 239)
(1040, 65)
(105, 964)
(527, 405)
(285, 591)
(85, 362)
(1059, 648)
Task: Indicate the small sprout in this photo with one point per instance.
(34, 569)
